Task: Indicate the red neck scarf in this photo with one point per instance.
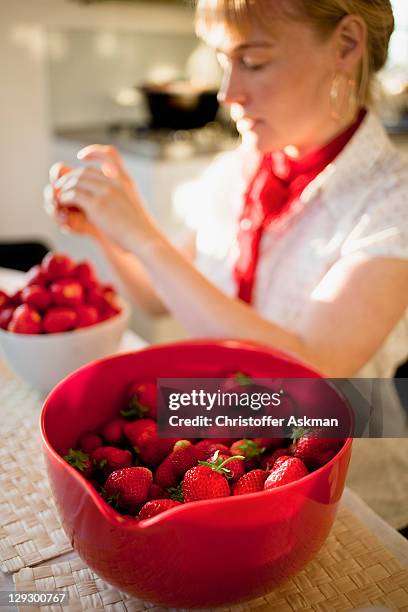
(278, 182)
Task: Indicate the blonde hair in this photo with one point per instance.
(323, 15)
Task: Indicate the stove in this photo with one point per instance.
(158, 144)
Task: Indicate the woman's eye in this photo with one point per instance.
(252, 64)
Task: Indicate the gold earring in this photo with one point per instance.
(337, 100)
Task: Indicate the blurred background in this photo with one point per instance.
(131, 73)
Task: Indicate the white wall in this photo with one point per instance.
(24, 110)
(90, 68)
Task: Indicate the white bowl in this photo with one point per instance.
(45, 359)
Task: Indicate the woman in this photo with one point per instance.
(300, 236)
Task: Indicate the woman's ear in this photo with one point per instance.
(350, 41)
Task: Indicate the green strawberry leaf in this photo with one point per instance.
(242, 379)
(176, 493)
(299, 432)
(250, 449)
(77, 459)
(134, 410)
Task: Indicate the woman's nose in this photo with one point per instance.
(231, 90)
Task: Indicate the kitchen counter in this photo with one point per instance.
(158, 145)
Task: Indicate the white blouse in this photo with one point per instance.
(359, 203)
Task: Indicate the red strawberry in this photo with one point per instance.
(174, 466)
(183, 457)
(268, 461)
(251, 451)
(238, 382)
(142, 401)
(287, 471)
(36, 296)
(103, 301)
(86, 315)
(109, 294)
(84, 272)
(165, 475)
(59, 319)
(4, 299)
(315, 451)
(248, 448)
(269, 443)
(55, 265)
(113, 433)
(236, 468)
(108, 313)
(6, 315)
(156, 492)
(206, 448)
(251, 482)
(25, 320)
(80, 461)
(129, 487)
(134, 429)
(89, 441)
(156, 506)
(66, 292)
(108, 459)
(15, 298)
(202, 482)
(225, 441)
(206, 481)
(152, 449)
(279, 461)
(35, 276)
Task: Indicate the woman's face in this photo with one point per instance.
(278, 85)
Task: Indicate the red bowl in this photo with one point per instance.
(204, 554)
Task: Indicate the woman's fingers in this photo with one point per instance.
(49, 200)
(78, 174)
(88, 181)
(109, 157)
(57, 170)
(77, 197)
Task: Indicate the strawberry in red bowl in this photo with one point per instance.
(144, 539)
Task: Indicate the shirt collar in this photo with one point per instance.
(354, 164)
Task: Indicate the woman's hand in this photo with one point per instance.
(106, 198)
(70, 218)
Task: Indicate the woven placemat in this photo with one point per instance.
(352, 570)
(30, 532)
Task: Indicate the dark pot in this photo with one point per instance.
(180, 108)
